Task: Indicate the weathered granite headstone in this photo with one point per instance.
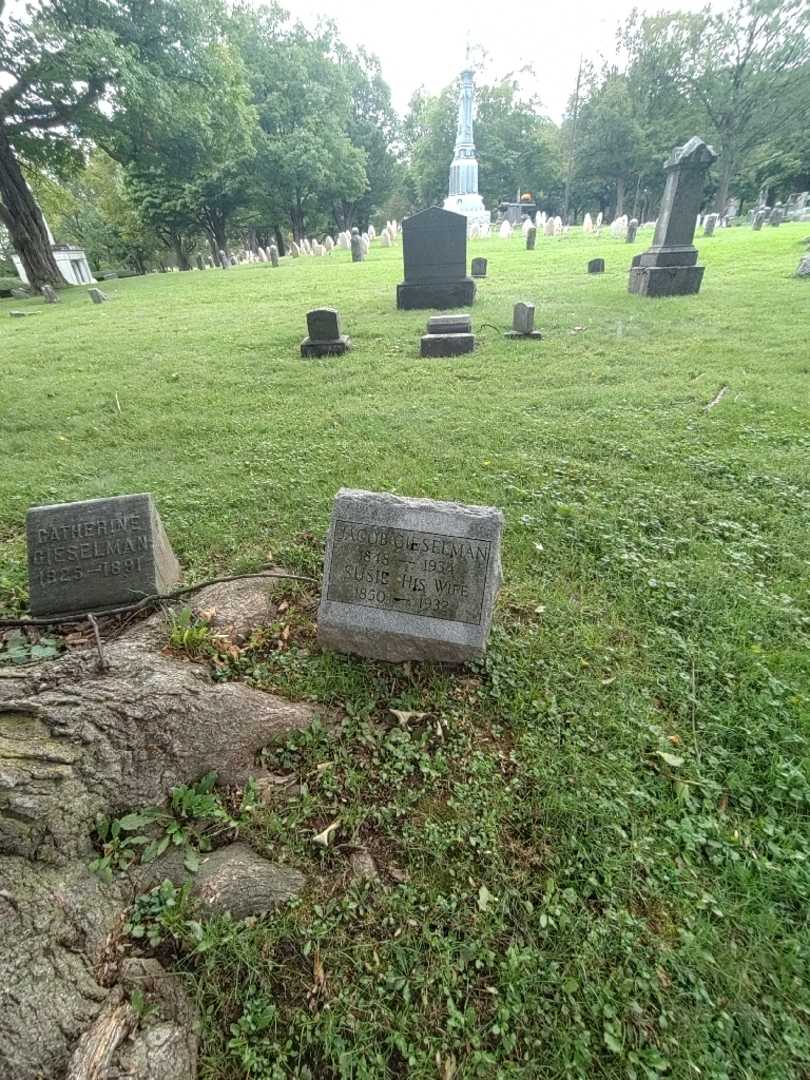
(50, 294)
(295, 251)
(448, 335)
(523, 322)
(409, 579)
(587, 225)
(709, 224)
(548, 228)
(434, 252)
(668, 268)
(200, 263)
(325, 337)
(272, 251)
(479, 268)
(224, 261)
(385, 238)
(777, 215)
(531, 238)
(97, 296)
(234, 261)
(759, 220)
(86, 556)
(632, 229)
(596, 266)
(329, 245)
(803, 269)
(358, 251)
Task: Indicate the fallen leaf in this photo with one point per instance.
(484, 898)
(404, 718)
(672, 760)
(324, 838)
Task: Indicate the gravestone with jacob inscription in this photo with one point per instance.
(87, 556)
(434, 251)
(409, 579)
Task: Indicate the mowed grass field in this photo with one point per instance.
(593, 848)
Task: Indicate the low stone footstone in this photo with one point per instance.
(434, 253)
(710, 224)
(632, 229)
(523, 322)
(409, 579)
(479, 268)
(325, 336)
(803, 269)
(97, 296)
(668, 267)
(272, 251)
(531, 238)
(596, 266)
(87, 556)
(50, 295)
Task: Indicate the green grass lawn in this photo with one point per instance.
(594, 849)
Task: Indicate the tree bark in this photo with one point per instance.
(282, 247)
(23, 219)
(75, 741)
(619, 197)
(726, 168)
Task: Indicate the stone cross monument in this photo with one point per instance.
(668, 268)
(463, 197)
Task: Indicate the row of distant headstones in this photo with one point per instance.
(404, 579)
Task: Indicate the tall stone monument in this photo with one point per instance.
(463, 197)
(668, 268)
(434, 251)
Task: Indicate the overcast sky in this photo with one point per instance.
(423, 41)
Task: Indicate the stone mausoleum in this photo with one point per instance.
(463, 197)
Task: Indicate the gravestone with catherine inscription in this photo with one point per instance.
(434, 251)
(409, 579)
(87, 556)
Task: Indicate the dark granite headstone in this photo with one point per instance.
(710, 224)
(434, 250)
(50, 294)
(325, 337)
(632, 229)
(760, 218)
(87, 556)
(777, 215)
(479, 268)
(449, 324)
(531, 238)
(668, 267)
(409, 579)
(596, 266)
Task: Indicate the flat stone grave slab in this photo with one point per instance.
(449, 324)
(87, 556)
(409, 579)
(433, 345)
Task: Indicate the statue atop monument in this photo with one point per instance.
(463, 197)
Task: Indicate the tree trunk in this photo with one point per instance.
(76, 741)
(619, 197)
(23, 219)
(726, 168)
(282, 247)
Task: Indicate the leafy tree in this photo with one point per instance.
(611, 145)
(743, 72)
(71, 67)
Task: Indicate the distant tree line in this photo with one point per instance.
(151, 131)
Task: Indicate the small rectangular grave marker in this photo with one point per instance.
(479, 268)
(325, 337)
(87, 556)
(409, 579)
(523, 322)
